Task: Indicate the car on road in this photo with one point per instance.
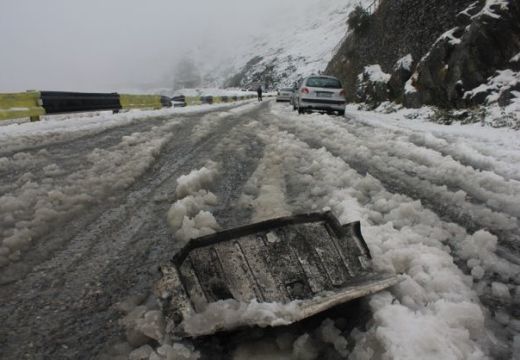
(284, 94)
(320, 93)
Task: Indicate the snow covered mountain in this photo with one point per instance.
(302, 44)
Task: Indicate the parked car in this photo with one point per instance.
(320, 93)
(284, 94)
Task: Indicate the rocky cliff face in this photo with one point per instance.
(434, 52)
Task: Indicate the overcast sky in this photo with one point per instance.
(93, 45)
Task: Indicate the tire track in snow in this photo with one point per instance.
(450, 205)
(115, 254)
(326, 180)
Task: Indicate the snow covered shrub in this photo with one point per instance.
(358, 20)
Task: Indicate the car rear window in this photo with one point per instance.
(322, 82)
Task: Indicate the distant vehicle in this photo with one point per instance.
(179, 101)
(320, 93)
(284, 94)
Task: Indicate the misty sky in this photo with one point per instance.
(106, 45)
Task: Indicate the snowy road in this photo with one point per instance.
(87, 213)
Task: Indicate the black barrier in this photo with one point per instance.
(180, 98)
(206, 99)
(56, 102)
(165, 101)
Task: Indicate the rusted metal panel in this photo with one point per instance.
(309, 259)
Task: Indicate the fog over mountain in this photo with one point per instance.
(106, 45)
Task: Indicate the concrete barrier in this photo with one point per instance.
(21, 105)
(140, 101)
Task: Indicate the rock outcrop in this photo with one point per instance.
(437, 54)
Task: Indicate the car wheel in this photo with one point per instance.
(341, 113)
(300, 110)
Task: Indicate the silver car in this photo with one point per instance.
(321, 93)
(284, 94)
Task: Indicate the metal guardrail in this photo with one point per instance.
(34, 104)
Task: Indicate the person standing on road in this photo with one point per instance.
(259, 92)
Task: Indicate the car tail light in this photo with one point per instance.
(342, 93)
(305, 91)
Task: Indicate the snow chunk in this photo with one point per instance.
(142, 353)
(481, 245)
(405, 63)
(202, 224)
(228, 314)
(304, 348)
(500, 291)
(188, 216)
(374, 73)
(189, 207)
(196, 180)
(329, 333)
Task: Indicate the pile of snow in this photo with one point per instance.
(326, 340)
(144, 328)
(188, 216)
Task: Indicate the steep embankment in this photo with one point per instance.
(433, 53)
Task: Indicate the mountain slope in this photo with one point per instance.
(279, 55)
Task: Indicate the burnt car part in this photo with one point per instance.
(297, 266)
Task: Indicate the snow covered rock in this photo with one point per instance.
(372, 85)
(401, 73)
(464, 57)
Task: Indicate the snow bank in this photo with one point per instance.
(213, 92)
(405, 237)
(57, 128)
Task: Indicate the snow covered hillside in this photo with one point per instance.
(301, 44)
